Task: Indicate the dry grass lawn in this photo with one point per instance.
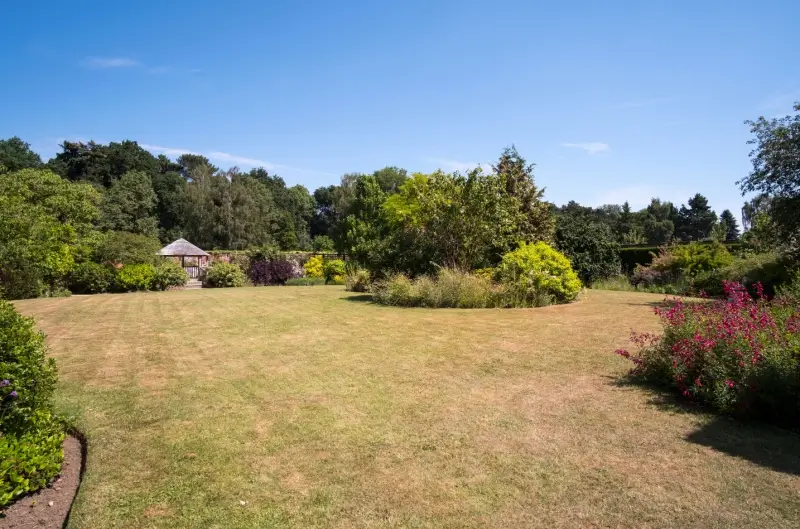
(319, 409)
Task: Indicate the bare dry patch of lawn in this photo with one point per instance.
(319, 409)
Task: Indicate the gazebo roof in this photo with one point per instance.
(182, 247)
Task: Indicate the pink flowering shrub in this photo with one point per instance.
(740, 354)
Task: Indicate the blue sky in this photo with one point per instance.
(612, 100)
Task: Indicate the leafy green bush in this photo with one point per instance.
(169, 274)
(305, 281)
(357, 280)
(120, 247)
(315, 266)
(266, 252)
(135, 277)
(591, 247)
(333, 271)
(630, 258)
(322, 243)
(30, 439)
(692, 259)
(224, 275)
(538, 270)
(91, 278)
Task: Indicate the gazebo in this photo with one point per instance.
(191, 257)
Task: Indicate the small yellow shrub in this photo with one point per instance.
(315, 266)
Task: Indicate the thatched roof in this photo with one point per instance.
(181, 247)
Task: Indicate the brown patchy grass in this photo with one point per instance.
(318, 409)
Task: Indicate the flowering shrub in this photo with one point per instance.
(739, 355)
(274, 272)
(314, 267)
(30, 439)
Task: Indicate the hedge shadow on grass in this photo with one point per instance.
(760, 443)
(360, 298)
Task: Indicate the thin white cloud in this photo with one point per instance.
(592, 147)
(230, 159)
(109, 62)
(462, 167)
(637, 103)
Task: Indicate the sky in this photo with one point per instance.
(613, 101)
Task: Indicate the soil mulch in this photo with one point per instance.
(49, 508)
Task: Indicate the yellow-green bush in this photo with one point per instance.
(334, 271)
(315, 266)
(537, 270)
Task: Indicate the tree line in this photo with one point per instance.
(232, 209)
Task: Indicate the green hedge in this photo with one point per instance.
(632, 256)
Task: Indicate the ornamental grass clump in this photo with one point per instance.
(739, 355)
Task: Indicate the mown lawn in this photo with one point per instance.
(319, 409)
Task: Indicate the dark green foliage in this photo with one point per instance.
(102, 165)
(30, 439)
(224, 275)
(26, 367)
(168, 274)
(135, 277)
(15, 155)
(305, 281)
(695, 221)
(731, 227)
(630, 258)
(770, 270)
(537, 223)
(776, 172)
(119, 247)
(91, 278)
(590, 246)
(266, 252)
(659, 222)
(390, 179)
(130, 205)
(170, 190)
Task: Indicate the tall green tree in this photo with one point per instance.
(696, 220)
(100, 164)
(537, 224)
(130, 205)
(729, 224)
(590, 245)
(45, 224)
(658, 225)
(776, 171)
(390, 178)
(15, 155)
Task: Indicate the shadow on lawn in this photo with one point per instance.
(760, 443)
(363, 298)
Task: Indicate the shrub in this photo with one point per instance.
(120, 247)
(739, 355)
(591, 247)
(357, 280)
(135, 277)
(537, 270)
(275, 272)
(631, 258)
(224, 275)
(692, 259)
(305, 281)
(333, 271)
(267, 252)
(322, 243)
(314, 267)
(452, 288)
(91, 278)
(767, 269)
(30, 439)
(169, 274)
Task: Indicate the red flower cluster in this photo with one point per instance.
(724, 347)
